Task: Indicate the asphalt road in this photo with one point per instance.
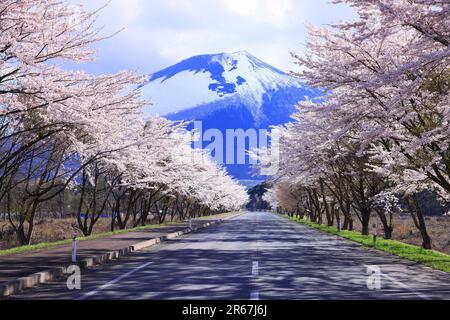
(254, 256)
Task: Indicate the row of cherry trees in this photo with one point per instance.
(380, 134)
(69, 130)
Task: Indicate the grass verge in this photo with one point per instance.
(430, 258)
(47, 245)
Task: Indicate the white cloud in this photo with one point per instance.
(128, 10)
(272, 12)
(158, 33)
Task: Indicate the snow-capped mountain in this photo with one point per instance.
(226, 91)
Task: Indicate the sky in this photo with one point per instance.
(156, 34)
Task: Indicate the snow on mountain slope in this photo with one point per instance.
(226, 91)
(205, 79)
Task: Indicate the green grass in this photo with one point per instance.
(47, 245)
(430, 258)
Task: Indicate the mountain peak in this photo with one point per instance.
(240, 55)
(243, 52)
(211, 77)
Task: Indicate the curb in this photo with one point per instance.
(33, 280)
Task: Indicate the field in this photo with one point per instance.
(405, 231)
(51, 230)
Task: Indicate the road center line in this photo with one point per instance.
(255, 268)
(112, 282)
(400, 284)
(254, 295)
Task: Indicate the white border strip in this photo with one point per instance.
(112, 282)
(400, 284)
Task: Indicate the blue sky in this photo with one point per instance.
(159, 33)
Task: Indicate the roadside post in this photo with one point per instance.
(338, 220)
(375, 231)
(74, 248)
(190, 223)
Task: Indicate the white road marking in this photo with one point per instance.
(255, 268)
(254, 295)
(112, 282)
(400, 284)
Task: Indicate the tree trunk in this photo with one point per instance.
(419, 221)
(365, 220)
(387, 226)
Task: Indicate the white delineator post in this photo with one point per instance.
(74, 248)
(190, 223)
(375, 233)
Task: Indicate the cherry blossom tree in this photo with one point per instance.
(63, 129)
(381, 129)
(159, 174)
